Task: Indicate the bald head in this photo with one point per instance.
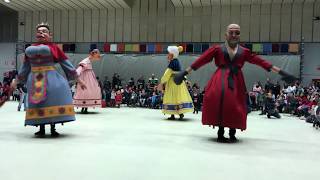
(233, 27)
(233, 35)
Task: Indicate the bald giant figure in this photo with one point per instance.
(224, 103)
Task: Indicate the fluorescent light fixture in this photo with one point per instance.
(7, 1)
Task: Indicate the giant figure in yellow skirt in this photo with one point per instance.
(176, 98)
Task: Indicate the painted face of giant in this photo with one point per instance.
(43, 35)
(169, 57)
(96, 56)
(233, 34)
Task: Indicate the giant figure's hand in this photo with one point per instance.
(178, 78)
(82, 85)
(287, 77)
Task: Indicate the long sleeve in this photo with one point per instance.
(24, 72)
(83, 65)
(69, 69)
(166, 76)
(205, 58)
(79, 70)
(255, 59)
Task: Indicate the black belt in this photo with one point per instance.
(233, 71)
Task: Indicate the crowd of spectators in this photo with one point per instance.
(272, 99)
(140, 93)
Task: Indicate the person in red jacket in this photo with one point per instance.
(6, 93)
(118, 98)
(224, 103)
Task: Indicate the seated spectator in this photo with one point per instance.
(153, 81)
(271, 105)
(141, 83)
(131, 82)
(113, 98)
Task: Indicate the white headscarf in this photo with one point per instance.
(173, 50)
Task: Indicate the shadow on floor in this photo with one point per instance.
(214, 139)
(47, 136)
(178, 120)
(87, 113)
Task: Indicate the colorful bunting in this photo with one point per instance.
(189, 48)
(267, 48)
(159, 48)
(204, 47)
(128, 48)
(257, 48)
(275, 47)
(72, 47)
(143, 48)
(113, 47)
(151, 48)
(197, 48)
(293, 48)
(136, 48)
(284, 48)
(121, 47)
(106, 47)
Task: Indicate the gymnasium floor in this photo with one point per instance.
(140, 144)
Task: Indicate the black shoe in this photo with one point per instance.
(41, 132)
(181, 116)
(54, 133)
(233, 139)
(222, 139)
(171, 117)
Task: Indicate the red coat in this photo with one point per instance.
(223, 105)
(118, 98)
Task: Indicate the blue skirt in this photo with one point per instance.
(56, 105)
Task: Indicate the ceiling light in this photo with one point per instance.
(7, 1)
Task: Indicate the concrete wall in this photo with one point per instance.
(8, 26)
(160, 21)
(7, 58)
(311, 63)
(135, 66)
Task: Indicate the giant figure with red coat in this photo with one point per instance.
(224, 103)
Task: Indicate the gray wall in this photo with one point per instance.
(311, 62)
(134, 66)
(160, 21)
(7, 58)
(8, 26)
